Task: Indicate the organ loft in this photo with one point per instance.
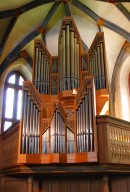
(66, 139)
(59, 106)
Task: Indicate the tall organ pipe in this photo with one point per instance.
(69, 58)
(72, 58)
(102, 64)
(68, 55)
(78, 66)
(75, 62)
(24, 121)
(64, 59)
(57, 133)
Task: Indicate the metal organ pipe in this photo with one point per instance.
(72, 51)
(30, 125)
(84, 124)
(97, 73)
(42, 66)
(24, 121)
(64, 60)
(69, 58)
(36, 67)
(30, 130)
(102, 65)
(42, 70)
(90, 121)
(61, 63)
(99, 67)
(68, 55)
(57, 133)
(76, 65)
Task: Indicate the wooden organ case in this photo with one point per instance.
(58, 123)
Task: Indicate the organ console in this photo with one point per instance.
(59, 110)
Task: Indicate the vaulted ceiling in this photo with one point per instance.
(23, 21)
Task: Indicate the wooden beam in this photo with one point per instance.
(67, 9)
(50, 14)
(104, 22)
(123, 10)
(23, 9)
(7, 33)
(11, 56)
(8, 60)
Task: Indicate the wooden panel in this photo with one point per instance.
(128, 184)
(69, 184)
(44, 186)
(10, 148)
(36, 186)
(0, 152)
(59, 184)
(65, 184)
(115, 133)
(119, 185)
(13, 185)
(96, 185)
(79, 184)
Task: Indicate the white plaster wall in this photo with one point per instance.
(113, 44)
(124, 90)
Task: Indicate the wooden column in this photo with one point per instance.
(30, 184)
(105, 184)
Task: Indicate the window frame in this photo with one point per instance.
(16, 88)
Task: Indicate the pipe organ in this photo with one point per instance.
(58, 116)
(69, 56)
(97, 64)
(30, 142)
(45, 141)
(41, 68)
(54, 76)
(58, 130)
(70, 141)
(85, 117)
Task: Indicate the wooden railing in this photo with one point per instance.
(113, 140)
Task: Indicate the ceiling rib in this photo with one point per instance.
(28, 38)
(123, 10)
(105, 23)
(7, 33)
(18, 11)
(67, 9)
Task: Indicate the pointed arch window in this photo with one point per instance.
(12, 100)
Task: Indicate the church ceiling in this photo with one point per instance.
(23, 21)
